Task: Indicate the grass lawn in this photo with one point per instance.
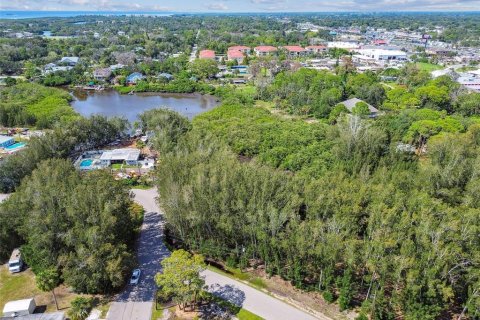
(428, 66)
(247, 315)
(22, 286)
(468, 68)
(248, 89)
(16, 286)
(156, 314)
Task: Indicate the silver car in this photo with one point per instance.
(135, 276)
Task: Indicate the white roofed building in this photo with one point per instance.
(129, 155)
(381, 54)
(70, 61)
(19, 308)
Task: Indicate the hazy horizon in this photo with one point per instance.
(243, 6)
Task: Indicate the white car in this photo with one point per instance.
(135, 276)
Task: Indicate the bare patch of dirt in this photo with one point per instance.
(305, 300)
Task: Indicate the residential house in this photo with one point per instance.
(128, 156)
(317, 49)
(49, 67)
(52, 68)
(352, 103)
(235, 55)
(102, 74)
(69, 61)
(135, 77)
(119, 66)
(165, 76)
(207, 54)
(243, 49)
(263, 51)
(295, 51)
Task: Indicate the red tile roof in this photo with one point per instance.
(239, 48)
(235, 54)
(380, 41)
(207, 54)
(294, 48)
(265, 49)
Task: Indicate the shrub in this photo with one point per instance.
(80, 308)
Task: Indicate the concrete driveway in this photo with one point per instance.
(135, 302)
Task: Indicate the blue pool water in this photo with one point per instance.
(86, 163)
(15, 146)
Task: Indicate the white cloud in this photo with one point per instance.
(218, 6)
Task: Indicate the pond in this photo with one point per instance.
(110, 103)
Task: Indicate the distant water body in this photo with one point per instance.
(67, 14)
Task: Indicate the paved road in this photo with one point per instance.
(253, 300)
(135, 302)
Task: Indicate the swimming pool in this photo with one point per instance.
(86, 163)
(15, 146)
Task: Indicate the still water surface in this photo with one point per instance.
(110, 103)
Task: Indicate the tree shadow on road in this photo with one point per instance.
(226, 302)
(151, 250)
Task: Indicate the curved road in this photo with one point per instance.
(136, 302)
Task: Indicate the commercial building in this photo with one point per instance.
(343, 45)
(380, 55)
(470, 82)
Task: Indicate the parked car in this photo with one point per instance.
(15, 264)
(135, 276)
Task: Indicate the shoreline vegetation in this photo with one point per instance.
(175, 86)
(30, 104)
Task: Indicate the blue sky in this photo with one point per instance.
(242, 5)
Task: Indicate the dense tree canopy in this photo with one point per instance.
(80, 225)
(361, 221)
